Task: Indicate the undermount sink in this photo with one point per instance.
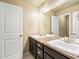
(41, 36)
(69, 47)
(38, 36)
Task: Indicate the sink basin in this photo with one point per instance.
(38, 36)
(69, 47)
(41, 36)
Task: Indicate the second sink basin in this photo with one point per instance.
(69, 47)
(41, 36)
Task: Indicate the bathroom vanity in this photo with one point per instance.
(42, 51)
(52, 48)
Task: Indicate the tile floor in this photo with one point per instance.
(28, 56)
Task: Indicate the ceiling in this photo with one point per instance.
(38, 3)
(57, 5)
(48, 5)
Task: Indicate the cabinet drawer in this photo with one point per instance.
(40, 53)
(32, 40)
(39, 45)
(54, 53)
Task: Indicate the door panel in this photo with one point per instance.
(11, 22)
(11, 46)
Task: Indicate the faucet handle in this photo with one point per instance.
(73, 33)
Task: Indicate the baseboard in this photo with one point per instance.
(27, 53)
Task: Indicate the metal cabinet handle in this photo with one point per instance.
(39, 52)
(39, 45)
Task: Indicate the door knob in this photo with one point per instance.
(20, 35)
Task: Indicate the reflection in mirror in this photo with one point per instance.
(67, 25)
(64, 25)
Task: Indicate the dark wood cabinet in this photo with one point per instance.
(41, 51)
(54, 54)
(36, 48)
(47, 56)
(32, 47)
(38, 57)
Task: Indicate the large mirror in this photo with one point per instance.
(69, 24)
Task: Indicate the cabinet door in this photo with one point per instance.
(46, 56)
(33, 49)
(54, 53)
(38, 57)
(32, 46)
(40, 53)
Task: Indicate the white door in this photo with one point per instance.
(55, 25)
(75, 24)
(10, 31)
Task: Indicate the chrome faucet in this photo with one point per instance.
(71, 38)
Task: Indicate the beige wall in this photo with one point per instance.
(44, 23)
(30, 20)
(61, 14)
